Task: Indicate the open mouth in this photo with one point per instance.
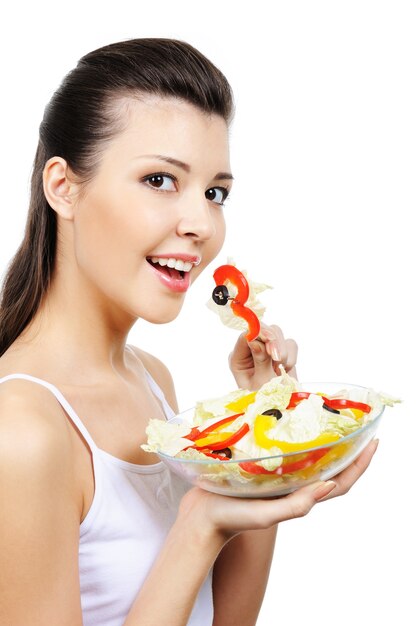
(174, 268)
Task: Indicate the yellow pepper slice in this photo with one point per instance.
(357, 413)
(263, 423)
(215, 428)
(238, 406)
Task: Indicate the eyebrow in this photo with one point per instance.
(182, 165)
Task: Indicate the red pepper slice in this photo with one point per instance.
(286, 468)
(194, 434)
(254, 468)
(213, 455)
(235, 276)
(345, 403)
(250, 317)
(334, 403)
(295, 466)
(296, 398)
(226, 443)
(212, 427)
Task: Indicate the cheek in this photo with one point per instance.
(104, 239)
(216, 244)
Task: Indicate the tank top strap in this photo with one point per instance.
(64, 403)
(157, 391)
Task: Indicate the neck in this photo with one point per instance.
(79, 333)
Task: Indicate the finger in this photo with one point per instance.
(283, 351)
(293, 373)
(259, 350)
(348, 477)
(274, 339)
(240, 352)
(262, 514)
(292, 354)
(290, 361)
(260, 354)
(300, 502)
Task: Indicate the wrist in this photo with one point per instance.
(195, 523)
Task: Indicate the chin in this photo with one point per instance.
(161, 316)
(162, 320)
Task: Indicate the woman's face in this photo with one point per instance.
(151, 219)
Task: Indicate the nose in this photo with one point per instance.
(197, 217)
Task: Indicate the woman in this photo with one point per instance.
(130, 175)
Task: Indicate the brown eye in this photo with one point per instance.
(156, 181)
(217, 194)
(161, 182)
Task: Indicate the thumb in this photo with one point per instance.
(241, 351)
(259, 353)
(248, 353)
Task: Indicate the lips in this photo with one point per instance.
(173, 272)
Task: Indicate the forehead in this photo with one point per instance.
(157, 125)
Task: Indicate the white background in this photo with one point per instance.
(324, 148)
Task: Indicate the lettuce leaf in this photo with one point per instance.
(166, 437)
(215, 408)
(275, 394)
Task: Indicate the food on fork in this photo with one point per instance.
(234, 299)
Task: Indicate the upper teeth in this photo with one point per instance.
(177, 264)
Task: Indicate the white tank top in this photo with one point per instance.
(133, 508)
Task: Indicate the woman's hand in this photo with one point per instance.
(223, 516)
(254, 363)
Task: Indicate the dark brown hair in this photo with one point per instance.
(77, 123)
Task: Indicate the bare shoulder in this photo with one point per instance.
(25, 404)
(42, 503)
(160, 373)
(33, 430)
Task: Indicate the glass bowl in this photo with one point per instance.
(296, 469)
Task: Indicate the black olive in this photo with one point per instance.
(225, 452)
(275, 412)
(220, 295)
(329, 408)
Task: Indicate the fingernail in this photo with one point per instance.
(324, 489)
(375, 443)
(275, 354)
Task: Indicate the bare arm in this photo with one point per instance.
(206, 522)
(169, 592)
(240, 577)
(39, 520)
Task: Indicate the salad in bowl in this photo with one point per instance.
(269, 442)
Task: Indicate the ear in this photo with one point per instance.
(59, 189)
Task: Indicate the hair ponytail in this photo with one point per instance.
(30, 270)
